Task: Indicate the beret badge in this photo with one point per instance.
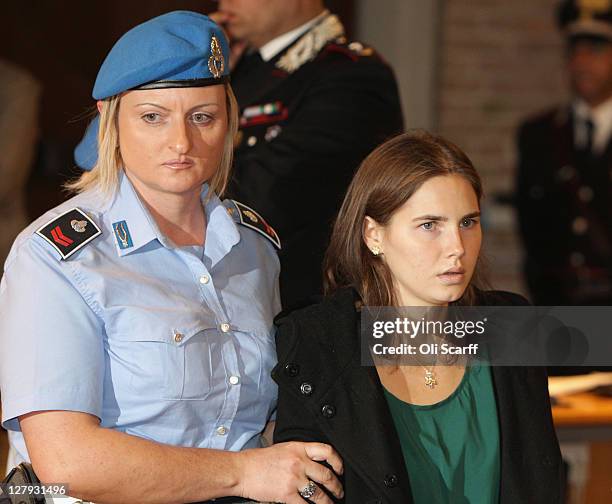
(216, 63)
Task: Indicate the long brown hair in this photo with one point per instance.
(386, 179)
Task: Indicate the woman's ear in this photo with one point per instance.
(99, 105)
(373, 234)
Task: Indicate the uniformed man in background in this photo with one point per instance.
(312, 105)
(565, 171)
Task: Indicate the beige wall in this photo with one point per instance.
(405, 33)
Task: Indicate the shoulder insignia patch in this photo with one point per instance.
(69, 232)
(245, 215)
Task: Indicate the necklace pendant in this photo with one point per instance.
(430, 379)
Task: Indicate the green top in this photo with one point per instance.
(451, 448)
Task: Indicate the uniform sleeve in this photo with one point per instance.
(51, 341)
(543, 211)
(542, 208)
(345, 112)
(528, 192)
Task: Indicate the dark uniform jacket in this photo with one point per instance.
(325, 395)
(564, 205)
(309, 117)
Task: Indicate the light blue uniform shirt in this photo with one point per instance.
(156, 340)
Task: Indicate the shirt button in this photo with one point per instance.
(234, 380)
(580, 225)
(328, 411)
(306, 388)
(225, 327)
(222, 431)
(292, 370)
(178, 337)
(204, 279)
(251, 141)
(390, 480)
(585, 193)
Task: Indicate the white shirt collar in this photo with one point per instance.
(602, 122)
(272, 48)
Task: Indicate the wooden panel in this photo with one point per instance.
(583, 410)
(599, 486)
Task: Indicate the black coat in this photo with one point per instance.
(565, 213)
(294, 162)
(319, 346)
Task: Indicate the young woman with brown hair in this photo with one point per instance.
(408, 234)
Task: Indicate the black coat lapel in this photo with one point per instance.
(563, 137)
(368, 441)
(251, 85)
(362, 409)
(252, 80)
(504, 381)
(528, 444)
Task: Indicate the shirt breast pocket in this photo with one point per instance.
(163, 362)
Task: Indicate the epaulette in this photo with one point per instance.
(310, 44)
(353, 50)
(361, 49)
(245, 215)
(69, 232)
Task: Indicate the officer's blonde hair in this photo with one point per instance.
(105, 174)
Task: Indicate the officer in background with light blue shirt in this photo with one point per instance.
(136, 334)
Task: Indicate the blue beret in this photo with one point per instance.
(177, 49)
(86, 153)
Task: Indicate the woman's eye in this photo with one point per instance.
(151, 117)
(200, 118)
(428, 226)
(468, 222)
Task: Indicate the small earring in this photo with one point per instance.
(375, 250)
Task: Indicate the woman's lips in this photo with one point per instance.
(452, 277)
(178, 165)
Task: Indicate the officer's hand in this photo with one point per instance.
(278, 473)
(237, 47)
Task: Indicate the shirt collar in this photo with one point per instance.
(601, 117)
(138, 222)
(221, 230)
(275, 46)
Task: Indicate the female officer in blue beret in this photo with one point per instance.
(136, 334)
